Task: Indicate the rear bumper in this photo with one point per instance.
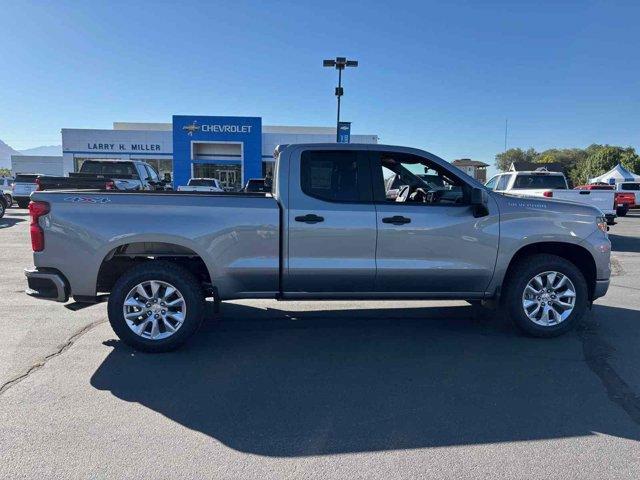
(600, 289)
(46, 284)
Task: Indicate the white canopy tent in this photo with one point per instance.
(617, 174)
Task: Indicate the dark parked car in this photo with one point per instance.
(257, 185)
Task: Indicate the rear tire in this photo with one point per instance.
(622, 211)
(547, 268)
(23, 203)
(9, 200)
(189, 295)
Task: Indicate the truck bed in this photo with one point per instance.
(236, 235)
(602, 199)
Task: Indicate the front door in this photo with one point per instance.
(428, 238)
(331, 224)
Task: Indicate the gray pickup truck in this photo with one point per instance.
(115, 174)
(330, 229)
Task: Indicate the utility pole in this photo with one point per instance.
(506, 126)
(340, 63)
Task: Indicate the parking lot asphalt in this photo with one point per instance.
(321, 389)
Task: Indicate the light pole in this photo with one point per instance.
(340, 63)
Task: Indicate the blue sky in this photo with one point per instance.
(440, 76)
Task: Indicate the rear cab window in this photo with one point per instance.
(202, 183)
(536, 181)
(108, 168)
(630, 186)
(26, 178)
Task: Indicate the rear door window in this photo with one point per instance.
(335, 176)
(503, 181)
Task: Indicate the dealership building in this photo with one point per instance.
(231, 149)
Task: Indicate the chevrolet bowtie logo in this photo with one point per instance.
(191, 128)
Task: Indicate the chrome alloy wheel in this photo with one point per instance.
(549, 298)
(154, 309)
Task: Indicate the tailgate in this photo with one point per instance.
(602, 199)
(23, 189)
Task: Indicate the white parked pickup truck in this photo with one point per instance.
(201, 185)
(630, 187)
(541, 183)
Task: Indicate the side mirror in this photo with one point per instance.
(479, 202)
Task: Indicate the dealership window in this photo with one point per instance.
(267, 169)
(229, 176)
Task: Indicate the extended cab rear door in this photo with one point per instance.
(331, 242)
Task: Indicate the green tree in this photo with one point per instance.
(602, 158)
(5, 172)
(569, 158)
(505, 159)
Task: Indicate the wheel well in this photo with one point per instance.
(576, 254)
(124, 257)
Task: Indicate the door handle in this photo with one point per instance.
(310, 218)
(396, 220)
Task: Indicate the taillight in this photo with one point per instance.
(547, 194)
(37, 210)
(110, 185)
(38, 186)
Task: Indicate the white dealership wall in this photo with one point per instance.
(142, 141)
(45, 165)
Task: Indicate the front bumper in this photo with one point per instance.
(600, 289)
(46, 284)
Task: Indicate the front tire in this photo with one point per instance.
(3, 206)
(156, 306)
(546, 295)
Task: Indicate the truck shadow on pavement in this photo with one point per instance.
(7, 222)
(623, 243)
(277, 383)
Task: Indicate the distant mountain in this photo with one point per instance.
(53, 150)
(5, 155)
